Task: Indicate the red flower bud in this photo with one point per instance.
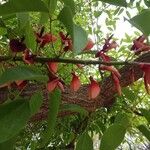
(52, 66)
(117, 83)
(75, 82)
(89, 45)
(94, 89)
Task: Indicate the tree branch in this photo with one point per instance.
(105, 99)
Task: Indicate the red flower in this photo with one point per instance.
(28, 57)
(139, 45)
(45, 39)
(52, 66)
(111, 69)
(21, 84)
(89, 45)
(55, 83)
(117, 83)
(17, 45)
(75, 82)
(66, 41)
(94, 89)
(103, 56)
(146, 69)
(109, 44)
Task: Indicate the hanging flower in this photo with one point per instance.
(139, 45)
(21, 84)
(66, 42)
(117, 83)
(94, 89)
(28, 57)
(75, 82)
(52, 66)
(111, 69)
(45, 39)
(89, 45)
(55, 83)
(146, 70)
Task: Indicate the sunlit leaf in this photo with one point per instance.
(140, 21)
(145, 131)
(122, 3)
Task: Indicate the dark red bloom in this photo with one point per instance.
(117, 83)
(17, 45)
(28, 57)
(21, 84)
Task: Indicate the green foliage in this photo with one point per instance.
(35, 102)
(116, 2)
(16, 6)
(84, 142)
(74, 108)
(21, 73)
(54, 102)
(13, 118)
(145, 131)
(112, 137)
(146, 114)
(140, 21)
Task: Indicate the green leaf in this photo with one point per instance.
(147, 3)
(52, 6)
(3, 31)
(146, 114)
(71, 4)
(13, 118)
(16, 6)
(122, 119)
(145, 131)
(21, 73)
(54, 102)
(140, 21)
(35, 102)
(66, 17)
(74, 108)
(8, 145)
(112, 137)
(84, 142)
(122, 3)
(30, 38)
(80, 39)
(43, 18)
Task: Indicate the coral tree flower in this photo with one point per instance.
(52, 66)
(75, 82)
(66, 41)
(89, 45)
(17, 45)
(93, 89)
(45, 39)
(139, 45)
(28, 57)
(55, 83)
(146, 70)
